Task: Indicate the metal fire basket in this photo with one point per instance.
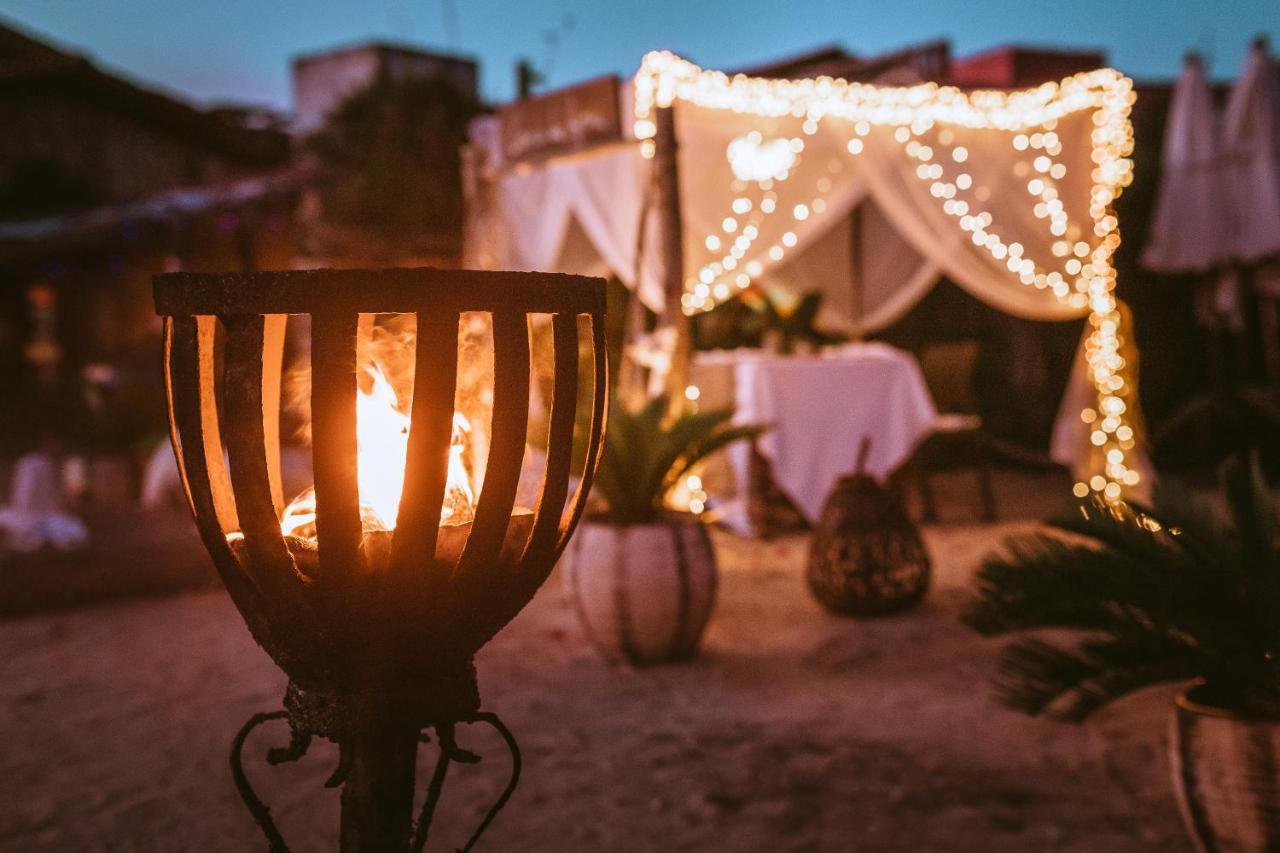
(375, 654)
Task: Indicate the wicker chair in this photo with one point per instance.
(948, 369)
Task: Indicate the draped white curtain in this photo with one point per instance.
(829, 182)
(799, 225)
(525, 219)
(868, 274)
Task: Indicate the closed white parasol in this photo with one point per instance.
(1189, 232)
(1251, 156)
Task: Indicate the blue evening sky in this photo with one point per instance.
(212, 50)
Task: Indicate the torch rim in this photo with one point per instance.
(374, 291)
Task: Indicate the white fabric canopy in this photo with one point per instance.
(825, 180)
(1007, 194)
(1189, 231)
(1251, 154)
(602, 191)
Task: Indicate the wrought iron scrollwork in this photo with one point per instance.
(450, 753)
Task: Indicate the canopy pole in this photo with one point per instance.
(857, 269)
(632, 374)
(670, 245)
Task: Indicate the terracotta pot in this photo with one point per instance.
(1225, 774)
(643, 592)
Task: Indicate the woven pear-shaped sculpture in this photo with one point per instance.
(866, 557)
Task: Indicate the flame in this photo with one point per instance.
(382, 443)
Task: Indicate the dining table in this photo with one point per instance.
(818, 409)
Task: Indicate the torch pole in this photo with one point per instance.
(377, 798)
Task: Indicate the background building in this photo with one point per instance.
(322, 80)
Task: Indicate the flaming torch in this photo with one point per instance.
(374, 589)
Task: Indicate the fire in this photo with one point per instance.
(382, 442)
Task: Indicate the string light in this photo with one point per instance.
(1079, 274)
(697, 495)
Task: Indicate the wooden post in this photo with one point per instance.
(377, 798)
(857, 269)
(670, 243)
(632, 377)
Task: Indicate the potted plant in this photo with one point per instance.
(642, 575)
(1159, 595)
(792, 322)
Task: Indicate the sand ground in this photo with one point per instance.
(795, 730)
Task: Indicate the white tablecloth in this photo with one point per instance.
(818, 409)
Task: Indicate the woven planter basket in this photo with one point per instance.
(643, 592)
(1226, 777)
(866, 557)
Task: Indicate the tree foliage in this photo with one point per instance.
(38, 186)
(392, 152)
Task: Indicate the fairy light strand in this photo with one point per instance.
(1080, 273)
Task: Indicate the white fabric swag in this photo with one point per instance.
(527, 220)
(582, 213)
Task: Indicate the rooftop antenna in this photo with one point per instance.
(526, 78)
(529, 75)
(552, 39)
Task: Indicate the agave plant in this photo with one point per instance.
(1156, 595)
(648, 450)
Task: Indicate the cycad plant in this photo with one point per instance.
(647, 451)
(1155, 595)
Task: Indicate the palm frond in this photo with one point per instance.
(1189, 519)
(703, 448)
(669, 442)
(1158, 594)
(1119, 527)
(647, 450)
(1252, 509)
(1038, 586)
(1044, 581)
(1037, 678)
